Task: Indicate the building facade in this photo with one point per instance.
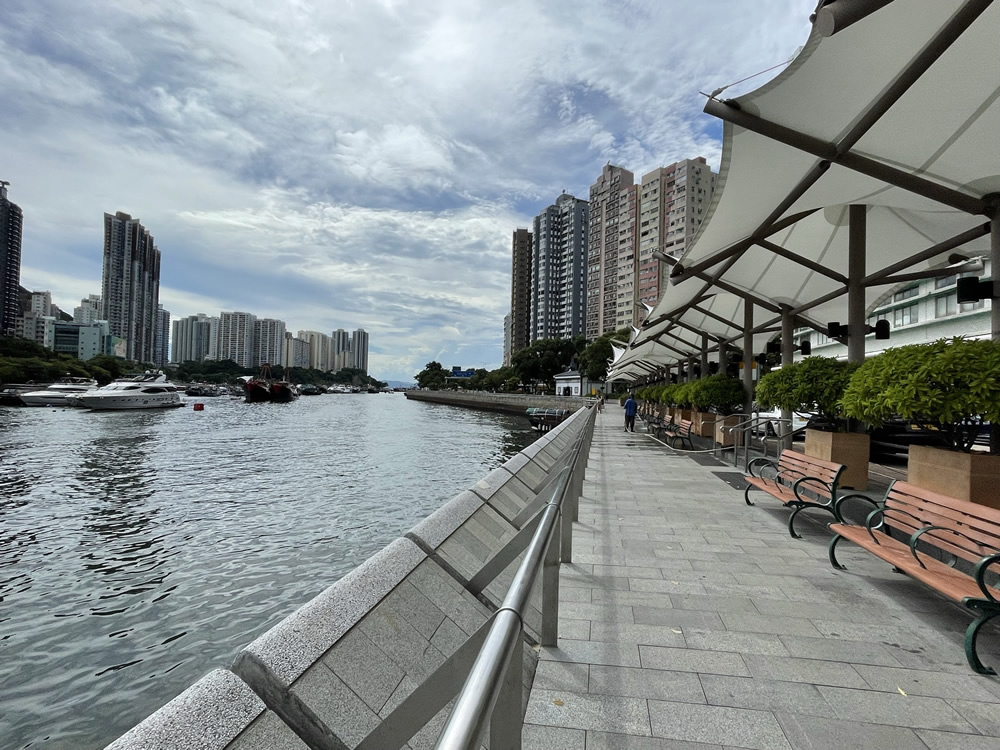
(359, 350)
(520, 292)
(161, 337)
(269, 342)
(236, 338)
(341, 342)
(11, 224)
(611, 252)
(319, 349)
(296, 351)
(559, 251)
(191, 339)
(88, 311)
(673, 203)
(130, 287)
(82, 341)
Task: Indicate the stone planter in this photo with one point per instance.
(966, 476)
(725, 437)
(703, 423)
(848, 448)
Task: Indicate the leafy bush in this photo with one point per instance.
(682, 394)
(719, 393)
(952, 385)
(813, 384)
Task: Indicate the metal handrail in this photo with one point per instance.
(475, 703)
(745, 427)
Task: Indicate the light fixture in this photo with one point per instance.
(839, 331)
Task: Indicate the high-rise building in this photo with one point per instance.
(673, 204)
(520, 291)
(559, 251)
(296, 351)
(359, 350)
(341, 350)
(89, 310)
(11, 220)
(236, 337)
(130, 287)
(41, 303)
(269, 342)
(507, 346)
(319, 349)
(161, 337)
(611, 270)
(192, 338)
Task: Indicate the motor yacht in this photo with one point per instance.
(150, 390)
(57, 393)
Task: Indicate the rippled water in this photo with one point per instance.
(139, 550)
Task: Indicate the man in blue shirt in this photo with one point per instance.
(631, 407)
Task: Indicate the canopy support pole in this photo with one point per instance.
(704, 355)
(748, 352)
(787, 357)
(857, 242)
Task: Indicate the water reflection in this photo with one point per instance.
(139, 550)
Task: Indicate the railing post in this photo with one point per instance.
(550, 592)
(506, 724)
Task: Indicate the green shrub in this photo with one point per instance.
(720, 394)
(952, 385)
(813, 384)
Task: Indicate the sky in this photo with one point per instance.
(351, 163)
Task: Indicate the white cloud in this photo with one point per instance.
(352, 163)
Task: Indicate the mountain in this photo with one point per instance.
(401, 384)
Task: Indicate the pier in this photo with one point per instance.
(684, 619)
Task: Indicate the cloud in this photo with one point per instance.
(350, 164)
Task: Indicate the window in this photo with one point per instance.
(904, 316)
(945, 281)
(907, 293)
(970, 306)
(945, 306)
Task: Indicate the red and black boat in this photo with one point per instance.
(265, 388)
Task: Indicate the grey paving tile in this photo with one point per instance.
(627, 571)
(952, 741)
(729, 640)
(717, 603)
(632, 598)
(913, 711)
(535, 737)
(652, 635)
(925, 682)
(558, 675)
(646, 683)
(571, 594)
(577, 630)
(833, 649)
(606, 713)
(769, 624)
(691, 660)
(770, 695)
(593, 652)
(804, 670)
(601, 611)
(666, 586)
(678, 618)
(718, 725)
(818, 733)
(983, 716)
(607, 741)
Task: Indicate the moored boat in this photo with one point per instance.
(264, 388)
(151, 390)
(57, 393)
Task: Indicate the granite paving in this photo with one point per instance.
(690, 621)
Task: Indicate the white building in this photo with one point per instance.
(269, 342)
(88, 311)
(359, 350)
(130, 284)
(41, 303)
(82, 341)
(296, 351)
(341, 350)
(319, 349)
(236, 337)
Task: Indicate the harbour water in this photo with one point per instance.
(139, 550)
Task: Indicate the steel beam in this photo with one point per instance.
(836, 16)
(958, 240)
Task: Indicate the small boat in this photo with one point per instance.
(309, 389)
(58, 393)
(202, 390)
(264, 388)
(151, 390)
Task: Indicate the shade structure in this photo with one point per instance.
(898, 113)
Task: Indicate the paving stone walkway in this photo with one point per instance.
(689, 621)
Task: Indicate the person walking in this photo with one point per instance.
(631, 407)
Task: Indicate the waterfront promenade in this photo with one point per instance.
(689, 621)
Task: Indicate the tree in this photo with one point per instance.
(544, 359)
(593, 360)
(432, 376)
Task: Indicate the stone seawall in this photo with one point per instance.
(507, 403)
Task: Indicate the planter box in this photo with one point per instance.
(974, 477)
(703, 423)
(847, 448)
(725, 437)
(684, 414)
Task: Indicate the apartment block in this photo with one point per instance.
(269, 342)
(611, 267)
(130, 286)
(236, 338)
(558, 262)
(11, 224)
(520, 291)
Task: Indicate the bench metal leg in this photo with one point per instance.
(832, 550)
(799, 509)
(746, 493)
(988, 612)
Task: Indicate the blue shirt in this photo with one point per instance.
(631, 407)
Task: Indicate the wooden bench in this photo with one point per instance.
(678, 431)
(928, 536)
(790, 476)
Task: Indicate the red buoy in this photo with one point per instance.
(199, 406)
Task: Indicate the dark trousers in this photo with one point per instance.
(630, 423)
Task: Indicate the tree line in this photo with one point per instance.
(534, 366)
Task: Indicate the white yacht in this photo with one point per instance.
(151, 390)
(57, 393)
